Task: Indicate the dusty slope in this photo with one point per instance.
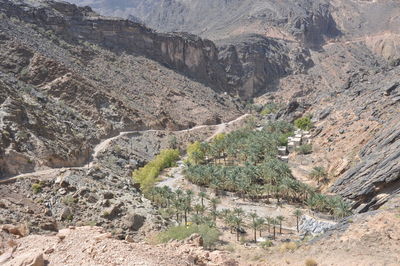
(94, 246)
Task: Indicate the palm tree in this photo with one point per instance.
(253, 216)
(280, 219)
(214, 202)
(269, 223)
(274, 222)
(186, 209)
(189, 196)
(238, 212)
(225, 212)
(261, 222)
(202, 196)
(214, 214)
(342, 209)
(256, 225)
(298, 214)
(237, 222)
(198, 209)
(319, 174)
(229, 220)
(177, 206)
(178, 193)
(216, 185)
(197, 219)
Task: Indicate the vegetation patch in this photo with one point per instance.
(245, 161)
(304, 123)
(270, 108)
(37, 187)
(209, 234)
(147, 175)
(304, 149)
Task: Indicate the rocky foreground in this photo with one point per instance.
(358, 240)
(94, 246)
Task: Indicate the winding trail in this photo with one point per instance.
(103, 145)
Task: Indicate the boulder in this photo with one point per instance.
(134, 221)
(20, 230)
(49, 226)
(66, 213)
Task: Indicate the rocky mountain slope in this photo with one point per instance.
(70, 78)
(333, 59)
(246, 32)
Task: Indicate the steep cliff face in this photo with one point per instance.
(308, 21)
(310, 24)
(183, 52)
(254, 64)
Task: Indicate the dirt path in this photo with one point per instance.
(103, 145)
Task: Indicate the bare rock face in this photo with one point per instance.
(309, 21)
(376, 177)
(254, 64)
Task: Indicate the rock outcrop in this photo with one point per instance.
(376, 177)
(311, 226)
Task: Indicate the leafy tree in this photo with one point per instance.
(195, 152)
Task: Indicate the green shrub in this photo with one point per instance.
(69, 200)
(270, 108)
(304, 149)
(266, 244)
(209, 234)
(37, 187)
(304, 123)
(147, 175)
